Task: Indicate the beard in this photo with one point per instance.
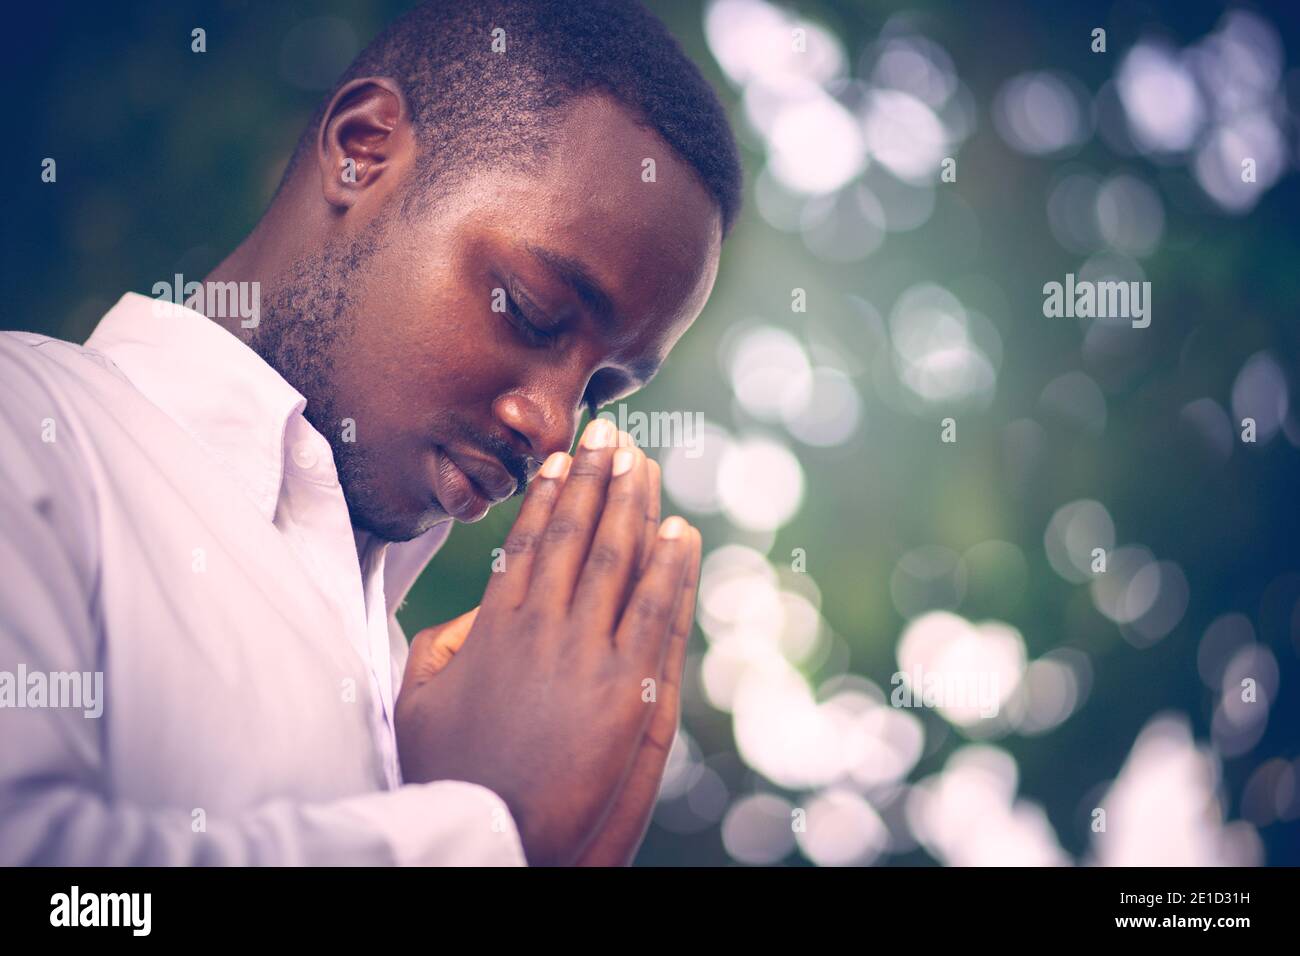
(305, 326)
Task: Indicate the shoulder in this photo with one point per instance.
(46, 387)
(40, 363)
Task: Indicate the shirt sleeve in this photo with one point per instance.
(55, 804)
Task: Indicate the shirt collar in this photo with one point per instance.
(232, 402)
(209, 382)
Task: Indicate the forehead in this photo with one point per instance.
(612, 198)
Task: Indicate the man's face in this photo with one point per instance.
(465, 344)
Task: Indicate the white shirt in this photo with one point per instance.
(169, 518)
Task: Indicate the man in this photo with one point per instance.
(505, 212)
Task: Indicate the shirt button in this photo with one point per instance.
(304, 455)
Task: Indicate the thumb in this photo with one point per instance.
(433, 648)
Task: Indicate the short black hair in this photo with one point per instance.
(471, 106)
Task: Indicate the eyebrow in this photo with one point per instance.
(578, 277)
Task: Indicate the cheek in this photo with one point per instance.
(449, 359)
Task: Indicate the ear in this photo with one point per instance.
(366, 132)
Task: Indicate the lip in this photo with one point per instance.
(468, 486)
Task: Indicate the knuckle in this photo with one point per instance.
(650, 607)
(561, 528)
(605, 557)
(586, 468)
(529, 622)
(616, 674)
(521, 542)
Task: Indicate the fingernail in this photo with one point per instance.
(624, 459)
(553, 467)
(599, 433)
(674, 527)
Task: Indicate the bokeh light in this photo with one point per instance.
(1099, 543)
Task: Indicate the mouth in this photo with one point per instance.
(467, 486)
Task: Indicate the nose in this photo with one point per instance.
(546, 426)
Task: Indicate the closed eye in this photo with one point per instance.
(518, 314)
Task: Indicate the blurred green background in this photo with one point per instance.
(923, 302)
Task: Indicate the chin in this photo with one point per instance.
(396, 525)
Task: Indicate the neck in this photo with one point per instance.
(261, 258)
(244, 268)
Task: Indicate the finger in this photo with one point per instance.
(680, 636)
(508, 587)
(662, 727)
(615, 552)
(651, 512)
(648, 617)
(567, 537)
(623, 830)
(433, 648)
